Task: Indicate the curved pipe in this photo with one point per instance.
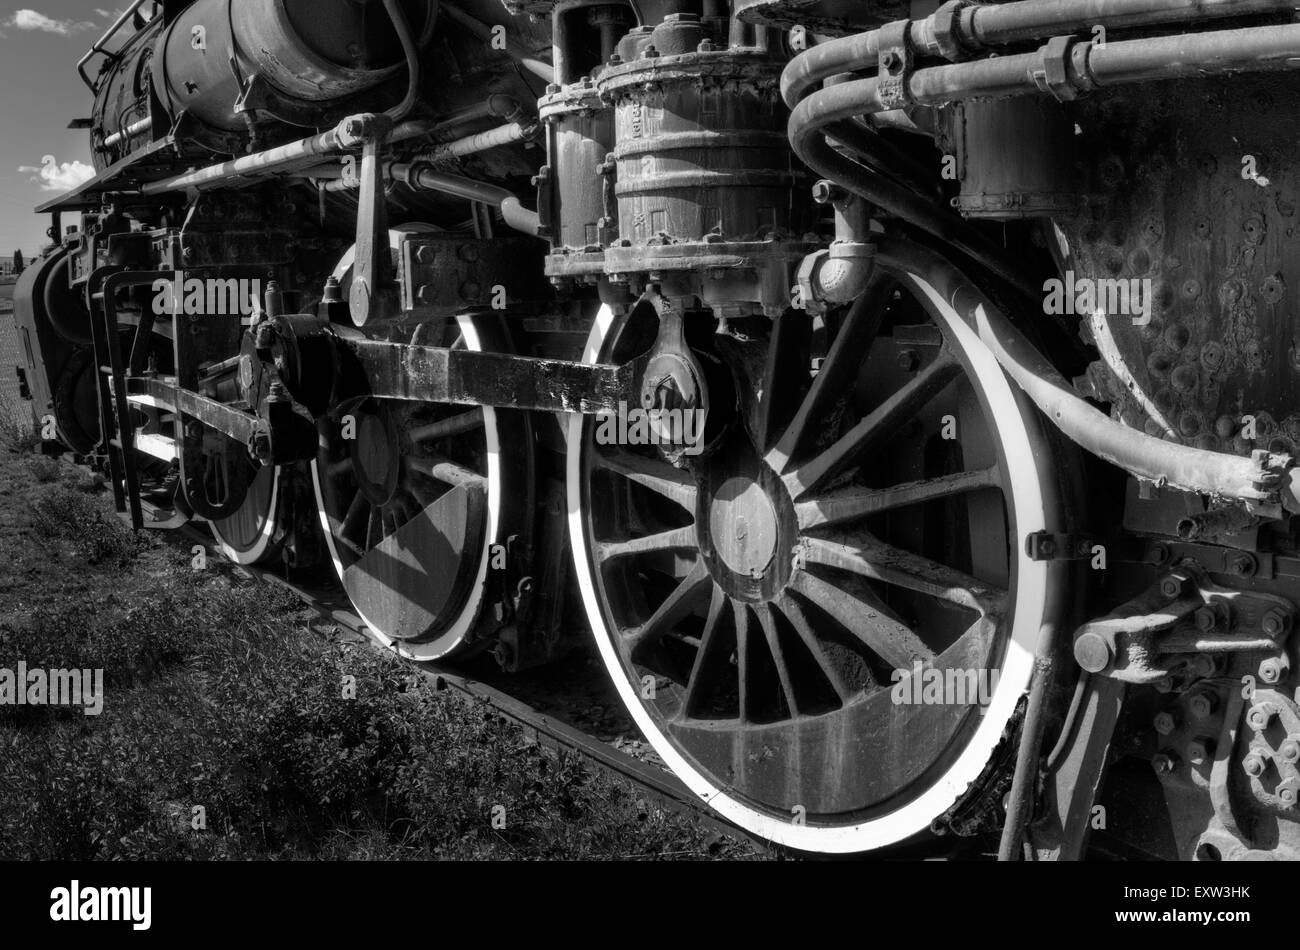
(423, 177)
(523, 56)
(958, 27)
(1255, 479)
(412, 52)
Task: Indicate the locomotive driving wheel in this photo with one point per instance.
(253, 534)
(412, 498)
(856, 522)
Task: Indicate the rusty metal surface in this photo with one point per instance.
(1172, 206)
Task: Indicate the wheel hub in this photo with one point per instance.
(375, 457)
(742, 522)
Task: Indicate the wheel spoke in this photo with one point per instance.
(446, 471)
(768, 623)
(877, 561)
(660, 477)
(743, 661)
(355, 521)
(794, 613)
(706, 657)
(876, 426)
(850, 504)
(677, 539)
(843, 362)
(453, 425)
(853, 605)
(676, 607)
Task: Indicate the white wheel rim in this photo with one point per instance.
(258, 549)
(451, 638)
(1026, 496)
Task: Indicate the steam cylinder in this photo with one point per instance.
(309, 52)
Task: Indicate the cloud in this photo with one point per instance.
(59, 176)
(26, 19)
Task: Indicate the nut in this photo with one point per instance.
(1206, 618)
(1174, 586)
(1164, 723)
(1273, 669)
(1289, 751)
(1276, 622)
(1260, 715)
(1254, 764)
(1288, 791)
(1202, 704)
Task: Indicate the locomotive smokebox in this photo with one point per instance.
(287, 58)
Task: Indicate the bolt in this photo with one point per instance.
(1164, 685)
(1289, 751)
(1206, 619)
(1203, 665)
(426, 253)
(468, 252)
(1276, 622)
(470, 290)
(1260, 715)
(1288, 791)
(892, 61)
(1198, 751)
(1164, 762)
(1047, 547)
(1174, 586)
(1164, 723)
(1254, 764)
(1202, 705)
(1272, 670)
(1243, 565)
(908, 360)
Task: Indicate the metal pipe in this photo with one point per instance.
(524, 56)
(959, 27)
(1081, 66)
(1020, 799)
(304, 151)
(478, 142)
(1257, 479)
(132, 130)
(412, 53)
(423, 177)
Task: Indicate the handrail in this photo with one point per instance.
(99, 44)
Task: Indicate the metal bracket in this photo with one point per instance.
(1059, 546)
(895, 65)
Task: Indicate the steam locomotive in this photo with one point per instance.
(984, 520)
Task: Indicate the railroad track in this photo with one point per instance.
(549, 732)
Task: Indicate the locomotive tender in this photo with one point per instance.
(983, 311)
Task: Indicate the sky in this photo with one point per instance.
(40, 93)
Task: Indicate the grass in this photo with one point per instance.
(234, 730)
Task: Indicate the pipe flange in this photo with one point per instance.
(1056, 74)
(947, 30)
